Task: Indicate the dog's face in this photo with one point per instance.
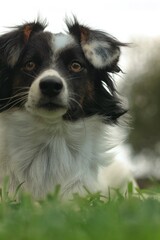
(62, 75)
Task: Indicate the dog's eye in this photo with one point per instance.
(29, 66)
(76, 67)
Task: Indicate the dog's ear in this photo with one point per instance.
(101, 49)
(12, 45)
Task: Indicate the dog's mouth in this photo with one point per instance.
(47, 109)
(50, 106)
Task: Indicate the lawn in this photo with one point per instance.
(80, 219)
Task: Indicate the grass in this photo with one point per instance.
(85, 218)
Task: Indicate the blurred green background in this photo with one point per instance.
(142, 88)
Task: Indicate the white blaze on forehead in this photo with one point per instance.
(49, 73)
(61, 41)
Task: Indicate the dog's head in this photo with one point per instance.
(65, 75)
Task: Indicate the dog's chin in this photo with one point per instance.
(48, 110)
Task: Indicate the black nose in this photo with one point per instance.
(51, 86)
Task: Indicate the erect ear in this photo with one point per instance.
(101, 49)
(12, 43)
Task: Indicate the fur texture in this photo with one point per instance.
(57, 119)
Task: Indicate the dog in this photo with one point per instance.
(59, 110)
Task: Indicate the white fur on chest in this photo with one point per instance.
(44, 154)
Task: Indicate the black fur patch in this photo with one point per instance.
(12, 45)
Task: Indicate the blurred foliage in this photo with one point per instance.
(143, 79)
(83, 218)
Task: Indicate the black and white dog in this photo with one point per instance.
(59, 109)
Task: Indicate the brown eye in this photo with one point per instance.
(30, 66)
(76, 67)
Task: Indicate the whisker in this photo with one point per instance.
(75, 94)
(19, 92)
(22, 88)
(31, 75)
(73, 100)
(15, 95)
(14, 100)
(13, 103)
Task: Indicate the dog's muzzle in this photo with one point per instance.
(48, 93)
(51, 89)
